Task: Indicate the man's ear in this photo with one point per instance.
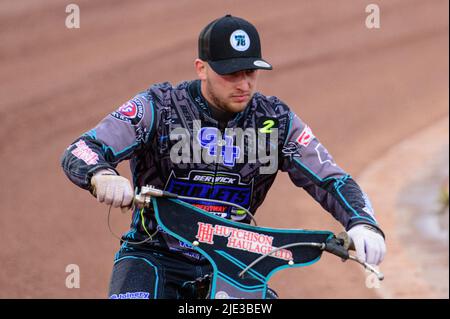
(200, 68)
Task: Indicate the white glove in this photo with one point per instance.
(369, 244)
(112, 189)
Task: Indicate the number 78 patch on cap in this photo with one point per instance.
(305, 137)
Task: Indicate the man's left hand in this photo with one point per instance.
(369, 244)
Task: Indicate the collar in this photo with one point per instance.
(197, 96)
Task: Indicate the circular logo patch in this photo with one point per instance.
(131, 112)
(240, 41)
(129, 109)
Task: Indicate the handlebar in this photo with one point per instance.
(339, 245)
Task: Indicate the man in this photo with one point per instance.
(223, 99)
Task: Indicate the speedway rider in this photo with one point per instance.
(210, 109)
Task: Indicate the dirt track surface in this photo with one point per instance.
(360, 90)
(418, 263)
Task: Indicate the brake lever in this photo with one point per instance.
(142, 199)
(340, 246)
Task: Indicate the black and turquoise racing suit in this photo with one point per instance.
(140, 131)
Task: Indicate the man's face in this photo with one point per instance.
(230, 92)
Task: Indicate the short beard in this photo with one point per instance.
(215, 100)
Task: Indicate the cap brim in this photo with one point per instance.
(228, 66)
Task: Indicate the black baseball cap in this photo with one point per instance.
(230, 44)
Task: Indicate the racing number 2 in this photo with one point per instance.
(267, 126)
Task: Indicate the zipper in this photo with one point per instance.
(217, 164)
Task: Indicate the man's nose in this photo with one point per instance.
(244, 82)
(244, 85)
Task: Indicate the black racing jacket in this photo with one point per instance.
(172, 142)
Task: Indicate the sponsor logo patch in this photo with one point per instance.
(305, 137)
(131, 295)
(323, 155)
(131, 112)
(205, 184)
(241, 239)
(85, 153)
(291, 149)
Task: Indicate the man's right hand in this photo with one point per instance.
(112, 189)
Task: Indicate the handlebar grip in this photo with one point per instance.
(347, 241)
(336, 246)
